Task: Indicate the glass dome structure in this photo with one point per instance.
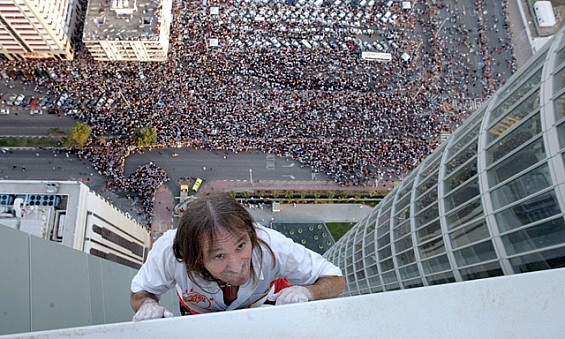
(489, 201)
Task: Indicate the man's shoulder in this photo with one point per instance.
(166, 239)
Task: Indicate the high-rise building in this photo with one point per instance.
(122, 30)
(489, 201)
(69, 213)
(37, 29)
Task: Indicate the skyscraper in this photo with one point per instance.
(489, 201)
(37, 29)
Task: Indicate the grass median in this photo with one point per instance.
(49, 141)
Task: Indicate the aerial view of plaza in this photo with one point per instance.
(294, 79)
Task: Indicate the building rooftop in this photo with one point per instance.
(122, 20)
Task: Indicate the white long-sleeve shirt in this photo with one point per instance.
(162, 271)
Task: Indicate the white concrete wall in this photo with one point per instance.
(529, 305)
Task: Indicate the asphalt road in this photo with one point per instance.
(219, 165)
(19, 122)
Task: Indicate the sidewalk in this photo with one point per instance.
(264, 185)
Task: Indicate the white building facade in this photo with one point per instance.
(37, 29)
(69, 213)
(128, 30)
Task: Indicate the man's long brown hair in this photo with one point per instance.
(201, 223)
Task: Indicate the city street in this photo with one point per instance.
(19, 122)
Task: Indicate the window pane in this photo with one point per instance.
(463, 140)
(526, 131)
(475, 254)
(539, 236)
(559, 79)
(559, 59)
(403, 244)
(385, 252)
(518, 94)
(469, 234)
(383, 241)
(428, 215)
(413, 283)
(406, 258)
(371, 268)
(427, 184)
(370, 244)
(409, 272)
(469, 212)
(426, 199)
(442, 278)
(532, 210)
(517, 162)
(482, 271)
(463, 194)
(462, 157)
(376, 288)
(428, 232)
(539, 261)
(436, 264)
(461, 176)
(406, 188)
(559, 105)
(392, 287)
(561, 133)
(387, 265)
(402, 230)
(521, 187)
(514, 116)
(432, 248)
(390, 277)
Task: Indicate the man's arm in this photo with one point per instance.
(138, 298)
(324, 288)
(327, 287)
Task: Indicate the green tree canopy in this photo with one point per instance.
(78, 135)
(145, 136)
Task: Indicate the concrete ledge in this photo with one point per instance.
(529, 305)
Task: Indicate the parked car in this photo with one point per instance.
(35, 112)
(27, 101)
(4, 111)
(19, 100)
(4, 75)
(11, 99)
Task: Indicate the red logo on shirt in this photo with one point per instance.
(196, 298)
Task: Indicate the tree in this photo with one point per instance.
(145, 136)
(78, 135)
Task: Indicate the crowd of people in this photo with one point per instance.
(356, 121)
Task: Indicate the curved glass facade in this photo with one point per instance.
(489, 201)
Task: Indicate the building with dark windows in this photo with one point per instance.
(69, 213)
(490, 201)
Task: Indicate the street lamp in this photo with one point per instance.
(251, 175)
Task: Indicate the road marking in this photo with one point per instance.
(289, 176)
(291, 165)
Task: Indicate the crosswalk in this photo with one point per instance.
(467, 104)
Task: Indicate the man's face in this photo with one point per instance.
(228, 259)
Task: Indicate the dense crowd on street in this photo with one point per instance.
(354, 120)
